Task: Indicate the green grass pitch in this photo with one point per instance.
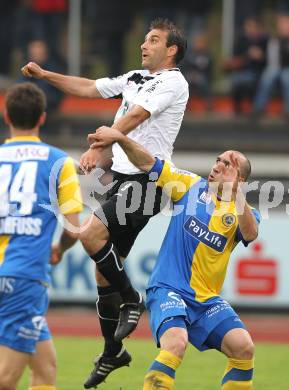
(199, 371)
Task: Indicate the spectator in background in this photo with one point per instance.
(245, 9)
(48, 25)
(41, 20)
(197, 68)
(109, 23)
(277, 69)
(37, 51)
(248, 61)
(7, 16)
(193, 16)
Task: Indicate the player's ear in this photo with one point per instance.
(6, 117)
(42, 119)
(173, 50)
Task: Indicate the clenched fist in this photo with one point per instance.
(32, 70)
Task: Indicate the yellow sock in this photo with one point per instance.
(238, 375)
(42, 387)
(161, 374)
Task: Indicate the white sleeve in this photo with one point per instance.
(158, 94)
(111, 87)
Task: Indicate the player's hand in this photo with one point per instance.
(232, 178)
(89, 159)
(32, 70)
(236, 180)
(103, 136)
(56, 254)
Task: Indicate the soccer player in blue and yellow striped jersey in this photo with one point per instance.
(38, 181)
(210, 217)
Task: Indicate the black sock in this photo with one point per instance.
(111, 267)
(108, 311)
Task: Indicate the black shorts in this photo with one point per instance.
(130, 203)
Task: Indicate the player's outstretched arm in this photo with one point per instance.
(78, 86)
(139, 156)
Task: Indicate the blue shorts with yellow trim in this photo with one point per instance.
(202, 319)
(23, 304)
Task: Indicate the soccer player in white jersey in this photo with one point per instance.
(27, 224)
(153, 105)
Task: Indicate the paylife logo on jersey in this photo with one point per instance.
(202, 233)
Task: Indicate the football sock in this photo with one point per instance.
(238, 375)
(107, 305)
(42, 387)
(111, 267)
(161, 374)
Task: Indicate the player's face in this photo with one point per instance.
(223, 170)
(155, 53)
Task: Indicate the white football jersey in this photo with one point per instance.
(164, 94)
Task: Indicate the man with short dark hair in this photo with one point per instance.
(152, 109)
(37, 181)
(210, 217)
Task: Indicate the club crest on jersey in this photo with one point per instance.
(202, 233)
(228, 219)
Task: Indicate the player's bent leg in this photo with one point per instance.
(114, 355)
(109, 264)
(237, 343)
(108, 303)
(10, 373)
(43, 366)
(173, 342)
(93, 234)
(238, 346)
(174, 339)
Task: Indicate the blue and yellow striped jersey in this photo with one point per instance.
(202, 233)
(37, 181)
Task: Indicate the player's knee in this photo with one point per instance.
(179, 344)
(175, 341)
(245, 351)
(87, 233)
(45, 373)
(93, 232)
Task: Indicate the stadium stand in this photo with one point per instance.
(218, 130)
